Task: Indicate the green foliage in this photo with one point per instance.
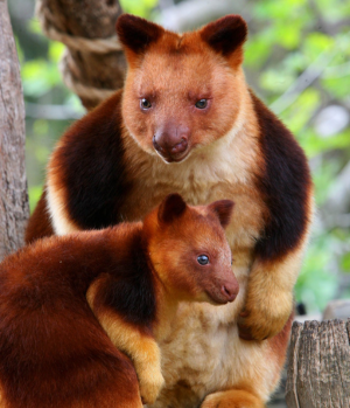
(317, 283)
(345, 262)
(141, 8)
(39, 77)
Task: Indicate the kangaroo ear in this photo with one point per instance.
(136, 33)
(172, 207)
(223, 210)
(225, 35)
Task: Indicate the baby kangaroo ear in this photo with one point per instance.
(136, 33)
(171, 208)
(223, 210)
(225, 35)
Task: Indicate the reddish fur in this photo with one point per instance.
(53, 352)
(106, 170)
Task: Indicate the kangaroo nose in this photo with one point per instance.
(168, 146)
(179, 147)
(172, 143)
(230, 290)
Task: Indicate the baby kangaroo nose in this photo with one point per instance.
(230, 290)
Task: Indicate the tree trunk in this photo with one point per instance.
(319, 365)
(14, 210)
(84, 71)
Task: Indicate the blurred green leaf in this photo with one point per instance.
(345, 262)
(41, 126)
(138, 7)
(34, 196)
(39, 77)
(288, 37)
(34, 26)
(316, 284)
(315, 43)
(56, 50)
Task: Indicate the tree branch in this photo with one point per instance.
(14, 209)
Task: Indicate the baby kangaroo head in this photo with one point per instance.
(189, 250)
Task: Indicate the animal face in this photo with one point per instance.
(189, 251)
(182, 91)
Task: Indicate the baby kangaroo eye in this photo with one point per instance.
(203, 260)
(202, 104)
(145, 104)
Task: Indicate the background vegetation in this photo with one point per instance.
(297, 60)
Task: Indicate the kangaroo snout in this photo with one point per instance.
(171, 142)
(230, 290)
(222, 291)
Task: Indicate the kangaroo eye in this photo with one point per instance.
(202, 104)
(145, 104)
(203, 260)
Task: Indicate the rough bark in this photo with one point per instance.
(14, 210)
(88, 19)
(319, 365)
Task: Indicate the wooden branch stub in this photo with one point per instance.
(14, 210)
(319, 365)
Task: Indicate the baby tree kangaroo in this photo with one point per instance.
(71, 306)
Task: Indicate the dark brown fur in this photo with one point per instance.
(285, 184)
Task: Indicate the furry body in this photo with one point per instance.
(69, 306)
(108, 167)
(53, 350)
